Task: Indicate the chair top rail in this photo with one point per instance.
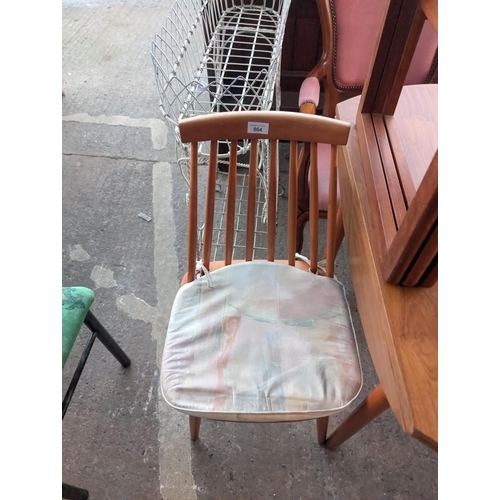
(274, 125)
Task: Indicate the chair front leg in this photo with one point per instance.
(322, 429)
(194, 427)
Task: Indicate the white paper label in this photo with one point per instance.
(258, 128)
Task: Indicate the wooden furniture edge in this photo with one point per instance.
(364, 277)
(373, 295)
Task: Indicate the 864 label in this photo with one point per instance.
(258, 128)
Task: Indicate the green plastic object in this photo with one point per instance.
(76, 302)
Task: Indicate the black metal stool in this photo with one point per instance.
(76, 302)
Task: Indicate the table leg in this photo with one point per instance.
(372, 406)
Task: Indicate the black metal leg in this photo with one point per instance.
(74, 493)
(106, 339)
(98, 331)
(77, 374)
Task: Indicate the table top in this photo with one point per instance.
(400, 324)
(415, 120)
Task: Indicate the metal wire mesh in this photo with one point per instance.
(219, 55)
(260, 239)
(220, 210)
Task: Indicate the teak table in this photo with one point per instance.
(400, 323)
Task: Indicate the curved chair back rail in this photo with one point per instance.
(283, 125)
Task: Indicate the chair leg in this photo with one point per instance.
(106, 339)
(339, 233)
(372, 406)
(98, 331)
(78, 373)
(322, 429)
(194, 427)
(339, 236)
(73, 492)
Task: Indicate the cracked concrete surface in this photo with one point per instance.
(120, 439)
(158, 127)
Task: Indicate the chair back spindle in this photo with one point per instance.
(272, 201)
(231, 201)
(332, 210)
(314, 209)
(210, 204)
(291, 128)
(192, 213)
(292, 203)
(252, 193)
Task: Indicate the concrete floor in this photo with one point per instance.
(120, 440)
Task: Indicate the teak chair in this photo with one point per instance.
(350, 29)
(260, 341)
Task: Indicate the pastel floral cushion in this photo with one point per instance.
(268, 342)
(76, 302)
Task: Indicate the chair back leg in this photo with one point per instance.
(106, 339)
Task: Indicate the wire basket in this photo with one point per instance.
(219, 55)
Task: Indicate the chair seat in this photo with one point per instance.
(76, 302)
(268, 342)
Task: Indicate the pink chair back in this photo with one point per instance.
(356, 27)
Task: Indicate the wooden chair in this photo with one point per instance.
(260, 341)
(350, 31)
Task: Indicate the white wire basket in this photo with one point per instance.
(219, 55)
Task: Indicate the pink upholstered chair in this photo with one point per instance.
(350, 30)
